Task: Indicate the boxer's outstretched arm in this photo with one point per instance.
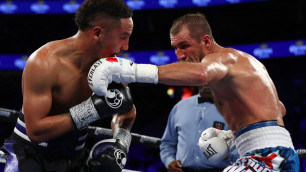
(183, 73)
(213, 68)
(37, 82)
(114, 69)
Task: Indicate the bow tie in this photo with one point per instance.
(202, 100)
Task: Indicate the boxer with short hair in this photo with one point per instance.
(58, 104)
(243, 91)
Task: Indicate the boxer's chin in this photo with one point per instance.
(113, 55)
(119, 53)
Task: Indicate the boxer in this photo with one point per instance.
(58, 104)
(243, 90)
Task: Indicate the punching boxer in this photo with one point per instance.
(243, 90)
(58, 104)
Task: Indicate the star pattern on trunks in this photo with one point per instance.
(266, 160)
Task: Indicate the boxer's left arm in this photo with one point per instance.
(119, 70)
(38, 79)
(212, 68)
(115, 69)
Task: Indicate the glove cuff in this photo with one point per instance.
(84, 113)
(146, 73)
(124, 137)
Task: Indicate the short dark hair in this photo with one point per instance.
(92, 10)
(196, 23)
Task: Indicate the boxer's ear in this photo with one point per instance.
(98, 32)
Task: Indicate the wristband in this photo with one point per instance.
(124, 136)
(146, 73)
(84, 113)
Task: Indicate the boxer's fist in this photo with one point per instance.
(107, 155)
(216, 144)
(211, 132)
(118, 99)
(214, 150)
(115, 69)
(208, 134)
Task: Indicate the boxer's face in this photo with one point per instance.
(186, 48)
(116, 39)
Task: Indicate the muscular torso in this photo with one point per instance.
(69, 85)
(70, 89)
(53, 81)
(246, 94)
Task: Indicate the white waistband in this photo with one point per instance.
(264, 137)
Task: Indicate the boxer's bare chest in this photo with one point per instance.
(71, 88)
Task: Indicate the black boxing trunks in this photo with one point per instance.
(66, 144)
(63, 153)
(21, 157)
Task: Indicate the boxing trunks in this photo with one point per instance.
(264, 147)
(65, 153)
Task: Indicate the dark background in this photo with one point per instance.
(231, 24)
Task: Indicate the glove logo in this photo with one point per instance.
(114, 98)
(112, 59)
(120, 158)
(209, 152)
(92, 71)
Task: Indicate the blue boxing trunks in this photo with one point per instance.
(264, 147)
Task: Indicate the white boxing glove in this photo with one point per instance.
(115, 69)
(208, 134)
(229, 137)
(216, 144)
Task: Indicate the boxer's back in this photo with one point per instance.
(246, 94)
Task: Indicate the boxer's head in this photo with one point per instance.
(108, 25)
(191, 37)
(197, 25)
(101, 12)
